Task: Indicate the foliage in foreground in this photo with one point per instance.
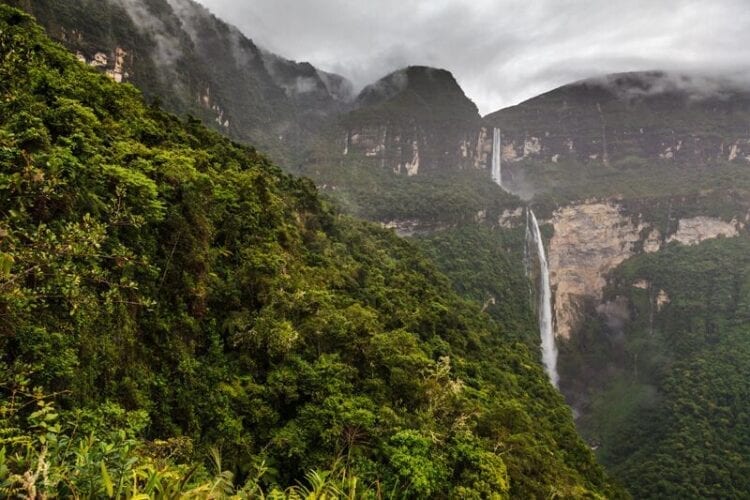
(168, 286)
(81, 455)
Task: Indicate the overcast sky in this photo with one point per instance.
(501, 51)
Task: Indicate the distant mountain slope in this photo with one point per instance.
(644, 179)
(176, 51)
(656, 116)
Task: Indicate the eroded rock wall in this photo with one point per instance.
(413, 149)
(594, 237)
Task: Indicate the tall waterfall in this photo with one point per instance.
(549, 349)
(497, 159)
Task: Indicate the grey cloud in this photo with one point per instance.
(501, 51)
(695, 86)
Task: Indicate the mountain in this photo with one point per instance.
(656, 116)
(413, 154)
(414, 120)
(167, 294)
(178, 53)
(640, 182)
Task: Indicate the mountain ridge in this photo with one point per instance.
(180, 54)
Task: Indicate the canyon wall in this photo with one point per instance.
(412, 148)
(594, 237)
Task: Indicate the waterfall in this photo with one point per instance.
(549, 349)
(497, 159)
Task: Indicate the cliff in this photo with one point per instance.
(593, 238)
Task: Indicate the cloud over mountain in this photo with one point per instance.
(503, 51)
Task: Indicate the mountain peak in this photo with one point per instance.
(421, 89)
(424, 81)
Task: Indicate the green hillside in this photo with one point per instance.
(167, 296)
(672, 417)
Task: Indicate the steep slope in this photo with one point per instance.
(673, 423)
(170, 291)
(177, 52)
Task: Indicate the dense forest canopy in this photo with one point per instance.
(672, 420)
(180, 316)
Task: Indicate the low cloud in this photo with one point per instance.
(696, 86)
(167, 48)
(501, 51)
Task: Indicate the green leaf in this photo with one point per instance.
(107, 481)
(6, 263)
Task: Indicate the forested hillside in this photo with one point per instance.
(243, 313)
(645, 183)
(167, 295)
(672, 417)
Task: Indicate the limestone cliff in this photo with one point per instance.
(696, 229)
(594, 237)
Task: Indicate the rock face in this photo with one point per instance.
(651, 116)
(113, 65)
(589, 240)
(413, 227)
(592, 238)
(694, 230)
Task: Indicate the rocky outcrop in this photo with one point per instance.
(511, 218)
(662, 299)
(413, 227)
(592, 238)
(694, 230)
(114, 64)
(589, 240)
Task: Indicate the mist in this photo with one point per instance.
(167, 48)
(697, 86)
(501, 51)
